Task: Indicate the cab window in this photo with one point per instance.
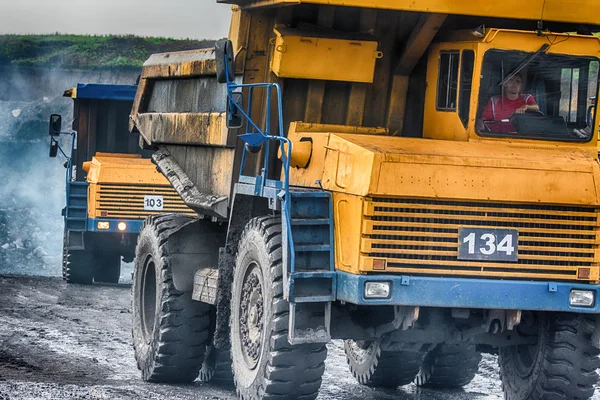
(537, 96)
(447, 81)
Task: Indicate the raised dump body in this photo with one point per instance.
(417, 178)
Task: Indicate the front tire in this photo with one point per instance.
(265, 365)
(170, 330)
(449, 366)
(562, 365)
(108, 267)
(79, 267)
(373, 367)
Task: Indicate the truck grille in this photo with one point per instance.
(421, 237)
(127, 201)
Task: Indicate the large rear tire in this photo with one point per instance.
(265, 365)
(170, 330)
(562, 365)
(373, 367)
(449, 366)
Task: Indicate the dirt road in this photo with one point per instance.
(61, 341)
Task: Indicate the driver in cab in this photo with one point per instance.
(499, 109)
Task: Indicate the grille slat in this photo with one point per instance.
(117, 201)
(421, 237)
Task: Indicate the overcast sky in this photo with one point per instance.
(199, 19)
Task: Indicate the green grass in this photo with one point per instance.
(88, 52)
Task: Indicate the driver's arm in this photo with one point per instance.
(488, 114)
(530, 105)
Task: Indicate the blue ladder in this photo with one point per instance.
(77, 206)
(309, 265)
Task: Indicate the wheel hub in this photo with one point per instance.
(251, 317)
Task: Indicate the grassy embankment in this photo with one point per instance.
(87, 52)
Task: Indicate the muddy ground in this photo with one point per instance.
(60, 341)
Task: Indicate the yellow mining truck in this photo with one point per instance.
(414, 177)
(111, 186)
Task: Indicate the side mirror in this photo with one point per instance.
(225, 61)
(53, 148)
(234, 116)
(55, 125)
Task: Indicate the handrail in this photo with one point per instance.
(69, 174)
(253, 129)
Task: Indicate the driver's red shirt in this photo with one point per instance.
(496, 111)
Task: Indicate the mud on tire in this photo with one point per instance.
(265, 365)
(216, 367)
(170, 330)
(449, 366)
(371, 366)
(562, 365)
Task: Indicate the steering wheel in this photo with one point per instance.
(528, 112)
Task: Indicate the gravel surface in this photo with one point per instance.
(60, 341)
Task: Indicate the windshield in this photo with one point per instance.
(544, 96)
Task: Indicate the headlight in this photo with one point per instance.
(103, 225)
(581, 298)
(121, 226)
(377, 290)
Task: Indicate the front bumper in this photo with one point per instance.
(465, 293)
(133, 225)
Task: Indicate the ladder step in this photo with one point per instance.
(77, 195)
(318, 273)
(313, 247)
(76, 218)
(313, 299)
(309, 221)
(78, 207)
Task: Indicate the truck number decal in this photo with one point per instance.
(153, 203)
(487, 244)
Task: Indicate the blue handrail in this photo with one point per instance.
(256, 135)
(69, 175)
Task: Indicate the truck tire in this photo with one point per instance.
(108, 267)
(562, 365)
(449, 366)
(170, 330)
(216, 367)
(265, 365)
(373, 367)
(79, 267)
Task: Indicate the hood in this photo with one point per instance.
(369, 165)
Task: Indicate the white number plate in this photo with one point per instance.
(488, 244)
(153, 203)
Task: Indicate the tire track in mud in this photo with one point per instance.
(60, 341)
